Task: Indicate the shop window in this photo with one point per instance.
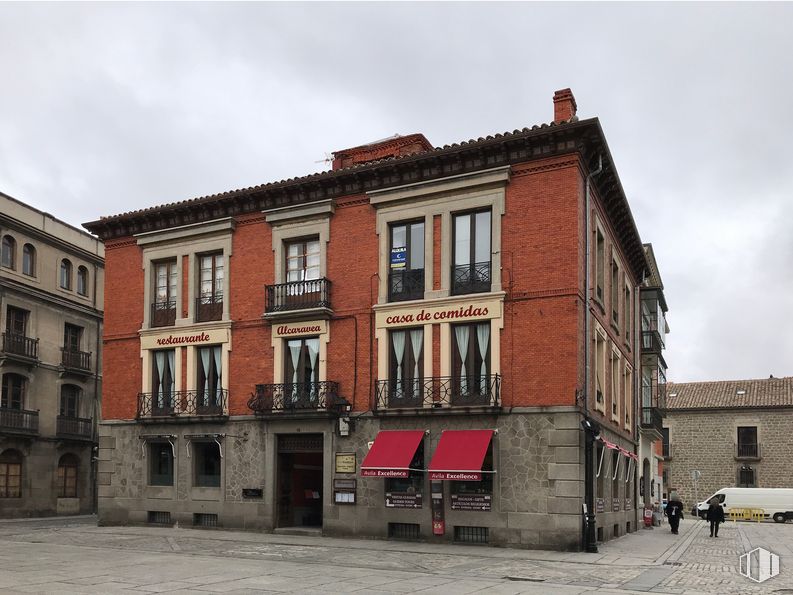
(10, 474)
(13, 391)
(406, 262)
(413, 484)
(209, 305)
(163, 310)
(207, 464)
(406, 367)
(163, 381)
(67, 476)
(65, 277)
(160, 464)
(746, 477)
(615, 292)
(70, 401)
(209, 384)
(29, 260)
(615, 384)
(471, 253)
(471, 381)
(16, 321)
(600, 264)
(8, 253)
(485, 486)
(301, 372)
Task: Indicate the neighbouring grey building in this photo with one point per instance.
(733, 433)
(51, 279)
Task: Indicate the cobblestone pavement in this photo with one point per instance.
(74, 556)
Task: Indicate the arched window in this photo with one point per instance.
(9, 252)
(11, 474)
(70, 400)
(66, 274)
(82, 280)
(13, 391)
(29, 260)
(67, 476)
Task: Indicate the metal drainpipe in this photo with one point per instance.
(95, 416)
(590, 538)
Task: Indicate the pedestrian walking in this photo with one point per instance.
(715, 516)
(674, 510)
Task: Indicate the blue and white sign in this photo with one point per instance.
(398, 257)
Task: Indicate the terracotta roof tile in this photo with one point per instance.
(767, 392)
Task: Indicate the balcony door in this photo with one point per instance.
(406, 368)
(406, 262)
(471, 269)
(209, 397)
(301, 373)
(163, 381)
(210, 300)
(70, 401)
(13, 396)
(471, 381)
(16, 321)
(164, 307)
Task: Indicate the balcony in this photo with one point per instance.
(651, 342)
(19, 421)
(163, 313)
(182, 404)
(74, 428)
(297, 295)
(745, 451)
(306, 398)
(209, 307)
(438, 392)
(471, 278)
(20, 347)
(405, 285)
(652, 421)
(75, 362)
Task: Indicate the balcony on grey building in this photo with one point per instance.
(182, 405)
(745, 451)
(75, 362)
(297, 297)
(438, 392)
(20, 348)
(405, 285)
(163, 313)
(652, 420)
(19, 422)
(653, 321)
(301, 399)
(209, 307)
(74, 428)
(471, 278)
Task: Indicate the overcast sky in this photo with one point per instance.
(106, 108)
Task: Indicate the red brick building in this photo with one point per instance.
(397, 346)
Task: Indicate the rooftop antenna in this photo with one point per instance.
(328, 159)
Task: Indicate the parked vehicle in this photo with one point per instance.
(776, 503)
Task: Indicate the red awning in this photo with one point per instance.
(391, 453)
(460, 455)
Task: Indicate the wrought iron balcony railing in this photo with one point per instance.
(307, 396)
(19, 421)
(652, 419)
(163, 313)
(747, 450)
(297, 295)
(439, 391)
(209, 307)
(75, 360)
(77, 428)
(471, 278)
(20, 345)
(186, 403)
(405, 285)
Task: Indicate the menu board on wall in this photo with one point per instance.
(402, 500)
(615, 504)
(471, 502)
(600, 505)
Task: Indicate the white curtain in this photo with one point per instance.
(159, 358)
(218, 374)
(461, 334)
(294, 352)
(482, 338)
(204, 351)
(171, 367)
(313, 353)
(416, 339)
(398, 338)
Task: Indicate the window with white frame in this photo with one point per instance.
(406, 367)
(471, 361)
(301, 372)
(165, 287)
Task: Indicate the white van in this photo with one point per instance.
(776, 503)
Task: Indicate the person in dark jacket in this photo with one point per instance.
(674, 510)
(715, 516)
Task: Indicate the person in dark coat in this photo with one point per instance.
(674, 510)
(715, 516)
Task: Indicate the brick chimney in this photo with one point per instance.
(564, 106)
(394, 146)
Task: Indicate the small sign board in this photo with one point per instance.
(480, 502)
(600, 505)
(399, 257)
(345, 484)
(628, 503)
(345, 462)
(402, 500)
(344, 497)
(615, 504)
(252, 493)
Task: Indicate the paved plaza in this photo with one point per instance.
(73, 555)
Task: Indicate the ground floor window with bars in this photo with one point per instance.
(471, 534)
(10, 474)
(403, 531)
(746, 477)
(67, 476)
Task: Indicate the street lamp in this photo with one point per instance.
(591, 432)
